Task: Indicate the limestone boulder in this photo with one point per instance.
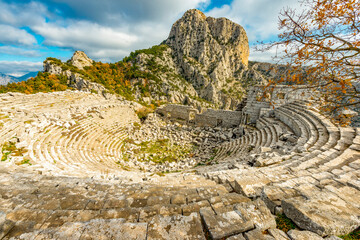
(5, 225)
(323, 213)
(278, 234)
(175, 227)
(226, 224)
(259, 213)
(256, 234)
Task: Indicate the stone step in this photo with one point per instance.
(42, 211)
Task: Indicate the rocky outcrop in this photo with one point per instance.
(52, 68)
(219, 45)
(75, 80)
(211, 53)
(80, 60)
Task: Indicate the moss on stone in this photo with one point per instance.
(284, 223)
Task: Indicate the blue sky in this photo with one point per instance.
(108, 30)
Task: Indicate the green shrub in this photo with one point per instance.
(284, 223)
(355, 235)
(143, 112)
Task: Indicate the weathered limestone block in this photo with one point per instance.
(256, 234)
(114, 229)
(71, 231)
(272, 196)
(30, 219)
(194, 207)
(95, 229)
(146, 213)
(153, 200)
(236, 237)
(175, 227)
(278, 234)
(332, 238)
(324, 213)
(259, 213)
(348, 194)
(5, 225)
(226, 224)
(266, 161)
(303, 235)
(251, 185)
(178, 199)
(170, 209)
(130, 214)
(233, 198)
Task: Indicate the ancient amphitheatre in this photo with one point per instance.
(81, 164)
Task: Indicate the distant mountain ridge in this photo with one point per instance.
(5, 79)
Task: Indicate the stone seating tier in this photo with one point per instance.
(304, 179)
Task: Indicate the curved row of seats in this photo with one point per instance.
(86, 148)
(324, 151)
(322, 140)
(266, 135)
(90, 147)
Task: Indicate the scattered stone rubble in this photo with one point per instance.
(292, 161)
(195, 144)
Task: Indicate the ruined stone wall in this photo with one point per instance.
(208, 117)
(178, 112)
(223, 118)
(281, 95)
(255, 107)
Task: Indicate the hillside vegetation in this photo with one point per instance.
(43, 82)
(123, 77)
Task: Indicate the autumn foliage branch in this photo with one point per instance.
(322, 48)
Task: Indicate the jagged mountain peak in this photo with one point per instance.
(209, 39)
(80, 60)
(194, 13)
(5, 79)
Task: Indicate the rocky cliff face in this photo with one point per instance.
(212, 55)
(219, 45)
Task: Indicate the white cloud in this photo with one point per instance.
(84, 35)
(22, 14)
(266, 56)
(108, 30)
(110, 33)
(260, 20)
(19, 51)
(12, 35)
(118, 12)
(258, 17)
(19, 68)
(105, 30)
